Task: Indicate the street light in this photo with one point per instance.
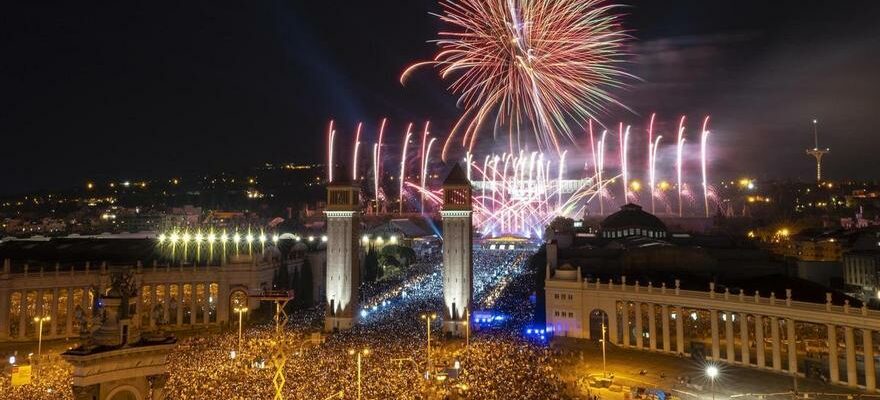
(604, 369)
(428, 319)
(362, 353)
(467, 330)
(712, 373)
(240, 311)
(40, 321)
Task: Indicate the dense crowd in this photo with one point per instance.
(498, 364)
(51, 383)
(494, 270)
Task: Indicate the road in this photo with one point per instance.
(580, 358)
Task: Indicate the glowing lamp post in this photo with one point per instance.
(604, 368)
(359, 354)
(39, 321)
(240, 311)
(428, 318)
(712, 373)
(467, 329)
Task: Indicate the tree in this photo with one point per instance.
(537, 265)
(282, 279)
(560, 225)
(391, 267)
(304, 288)
(371, 266)
(404, 256)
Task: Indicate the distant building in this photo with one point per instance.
(863, 198)
(816, 255)
(861, 267)
(183, 216)
(861, 272)
(402, 231)
(631, 222)
(636, 243)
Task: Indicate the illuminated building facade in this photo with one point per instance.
(67, 278)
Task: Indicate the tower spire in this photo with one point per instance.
(816, 152)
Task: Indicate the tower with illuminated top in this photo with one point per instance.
(816, 152)
(343, 262)
(457, 242)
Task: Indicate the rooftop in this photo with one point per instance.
(456, 176)
(632, 216)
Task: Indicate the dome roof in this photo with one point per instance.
(632, 216)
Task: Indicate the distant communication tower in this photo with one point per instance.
(817, 152)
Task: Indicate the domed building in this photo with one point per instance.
(632, 221)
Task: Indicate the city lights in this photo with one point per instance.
(488, 239)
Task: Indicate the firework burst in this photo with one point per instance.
(533, 64)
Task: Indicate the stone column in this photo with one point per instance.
(664, 325)
(729, 338)
(39, 308)
(167, 293)
(716, 341)
(626, 329)
(652, 327)
(179, 304)
(53, 310)
(850, 343)
(192, 304)
(206, 314)
(4, 314)
(833, 357)
(759, 342)
(68, 329)
(870, 369)
(85, 302)
(637, 309)
(150, 297)
(223, 304)
(22, 315)
(777, 354)
(679, 331)
(792, 345)
(744, 347)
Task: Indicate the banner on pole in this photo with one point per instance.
(21, 375)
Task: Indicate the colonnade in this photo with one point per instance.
(781, 335)
(68, 308)
(743, 336)
(173, 296)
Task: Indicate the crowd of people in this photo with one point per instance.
(50, 382)
(494, 270)
(498, 364)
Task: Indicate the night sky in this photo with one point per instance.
(151, 89)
